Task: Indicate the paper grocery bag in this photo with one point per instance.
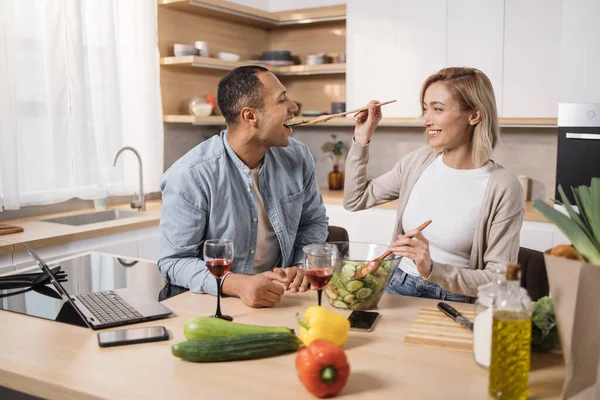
(575, 292)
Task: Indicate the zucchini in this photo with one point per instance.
(209, 327)
(354, 285)
(245, 347)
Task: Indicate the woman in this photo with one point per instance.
(475, 204)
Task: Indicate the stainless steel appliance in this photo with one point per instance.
(578, 155)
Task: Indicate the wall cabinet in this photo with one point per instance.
(513, 42)
(531, 58)
(478, 43)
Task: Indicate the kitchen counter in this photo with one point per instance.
(38, 233)
(337, 197)
(58, 361)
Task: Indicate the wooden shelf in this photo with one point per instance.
(215, 63)
(201, 62)
(253, 16)
(385, 122)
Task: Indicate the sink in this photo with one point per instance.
(92, 218)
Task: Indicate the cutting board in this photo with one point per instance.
(6, 229)
(433, 328)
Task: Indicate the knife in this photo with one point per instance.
(455, 315)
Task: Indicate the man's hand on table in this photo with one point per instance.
(292, 279)
(254, 290)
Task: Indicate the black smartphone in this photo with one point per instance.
(132, 336)
(363, 320)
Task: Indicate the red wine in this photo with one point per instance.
(218, 267)
(319, 278)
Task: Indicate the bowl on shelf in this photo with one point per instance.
(199, 107)
(181, 50)
(316, 59)
(279, 58)
(358, 283)
(228, 56)
(276, 55)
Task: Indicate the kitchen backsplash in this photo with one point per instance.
(530, 152)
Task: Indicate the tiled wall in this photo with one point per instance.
(530, 152)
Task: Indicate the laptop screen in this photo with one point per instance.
(86, 273)
(57, 285)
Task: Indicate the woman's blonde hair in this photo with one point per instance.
(473, 91)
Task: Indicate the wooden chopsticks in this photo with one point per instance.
(326, 118)
(387, 253)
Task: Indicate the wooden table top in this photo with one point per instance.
(58, 361)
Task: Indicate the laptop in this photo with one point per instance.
(105, 309)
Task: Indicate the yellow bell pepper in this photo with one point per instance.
(320, 323)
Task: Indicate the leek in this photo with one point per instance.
(581, 227)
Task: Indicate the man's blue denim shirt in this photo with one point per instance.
(207, 195)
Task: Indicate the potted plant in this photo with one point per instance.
(335, 151)
(574, 277)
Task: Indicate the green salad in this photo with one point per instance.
(348, 290)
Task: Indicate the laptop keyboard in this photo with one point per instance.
(108, 307)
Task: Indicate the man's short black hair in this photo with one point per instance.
(238, 89)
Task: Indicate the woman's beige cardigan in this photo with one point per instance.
(496, 238)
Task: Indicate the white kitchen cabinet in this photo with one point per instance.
(393, 46)
(531, 58)
(420, 50)
(579, 80)
(475, 38)
(537, 235)
(126, 244)
(149, 247)
(126, 249)
(6, 263)
(375, 225)
(370, 53)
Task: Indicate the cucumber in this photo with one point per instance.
(349, 299)
(348, 270)
(329, 292)
(363, 293)
(340, 304)
(245, 347)
(209, 327)
(354, 285)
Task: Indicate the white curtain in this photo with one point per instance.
(79, 79)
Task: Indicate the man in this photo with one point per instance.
(252, 184)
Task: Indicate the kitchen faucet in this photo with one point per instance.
(138, 202)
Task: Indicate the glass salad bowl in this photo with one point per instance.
(357, 282)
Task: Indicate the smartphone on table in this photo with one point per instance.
(363, 320)
(131, 336)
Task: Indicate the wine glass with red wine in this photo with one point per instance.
(218, 256)
(319, 264)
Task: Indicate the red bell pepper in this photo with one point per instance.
(322, 368)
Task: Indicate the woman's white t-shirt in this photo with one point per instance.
(451, 199)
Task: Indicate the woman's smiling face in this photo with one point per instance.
(448, 127)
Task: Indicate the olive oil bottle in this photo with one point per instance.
(511, 340)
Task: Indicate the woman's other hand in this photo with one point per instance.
(414, 246)
(366, 122)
